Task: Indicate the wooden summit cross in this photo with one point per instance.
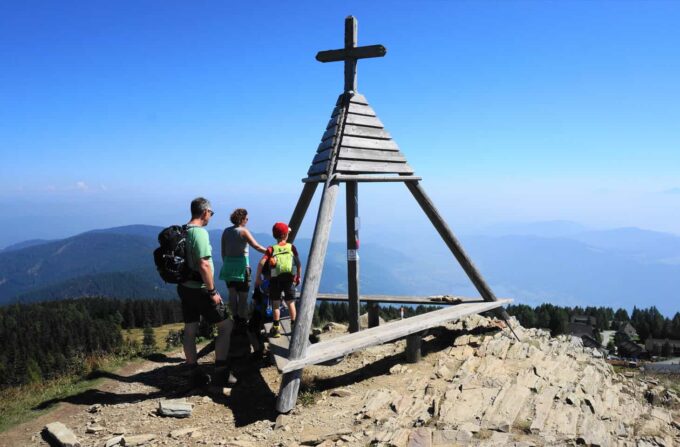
(356, 148)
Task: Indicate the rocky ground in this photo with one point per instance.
(476, 385)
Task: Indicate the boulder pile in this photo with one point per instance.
(490, 389)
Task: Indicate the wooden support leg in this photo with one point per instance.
(301, 209)
(353, 255)
(414, 344)
(373, 314)
(453, 244)
(290, 383)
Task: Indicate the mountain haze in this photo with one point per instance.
(618, 268)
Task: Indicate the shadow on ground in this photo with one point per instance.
(250, 400)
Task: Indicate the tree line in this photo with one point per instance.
(50, 339)
(647, 322)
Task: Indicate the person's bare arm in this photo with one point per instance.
(252, 242)
(299, 270)
(206, 271)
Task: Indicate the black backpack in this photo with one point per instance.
(170, 257)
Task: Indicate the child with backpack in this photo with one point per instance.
(286, 268)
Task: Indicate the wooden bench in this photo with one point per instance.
(348, 343)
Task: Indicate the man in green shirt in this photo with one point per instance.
(200, 298)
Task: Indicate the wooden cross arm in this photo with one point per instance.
(353, 53)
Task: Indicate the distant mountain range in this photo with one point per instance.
(617, 268)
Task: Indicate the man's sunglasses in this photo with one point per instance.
(212, 213)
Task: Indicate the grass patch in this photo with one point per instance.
(18, 404)
(137, 334)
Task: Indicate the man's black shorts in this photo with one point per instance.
(282, 284)
(197, 303)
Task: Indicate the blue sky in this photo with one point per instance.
(121, 112)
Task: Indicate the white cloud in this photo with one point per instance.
(82, 186)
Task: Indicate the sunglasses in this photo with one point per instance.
(212, 213)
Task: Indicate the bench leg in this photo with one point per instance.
(413, 347)
(373, 314)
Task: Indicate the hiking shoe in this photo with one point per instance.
(275, 331)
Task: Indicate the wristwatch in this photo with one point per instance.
(212, 292)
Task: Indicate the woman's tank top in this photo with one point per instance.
(234, 244)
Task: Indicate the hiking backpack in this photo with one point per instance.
(283, 255)
(170, 257)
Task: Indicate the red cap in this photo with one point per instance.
(279, 230)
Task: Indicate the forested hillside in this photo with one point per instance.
(45, 340)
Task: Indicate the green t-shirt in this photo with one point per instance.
(198, 246)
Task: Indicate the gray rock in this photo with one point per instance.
(177, 408)
(341, 392)
(183, 432)
(94, 429)
(420, 437)
(116, 440)
(138, 440)
(62, 435)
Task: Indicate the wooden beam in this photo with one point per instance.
(375, 178)
(361, 131)
(351, 153)
(361, 109)
(359, 166)
(346, 344)
(363, 120)
(452, 242)
(435, 300)
(358, 98)
(290, 383)
(414, 343)
(352, 207)
(301, 209)
(368, 143)
(364, 52)
(319, 168)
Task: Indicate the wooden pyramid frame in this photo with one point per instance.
(356, 148)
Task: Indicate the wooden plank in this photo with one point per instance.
(373, 314)
(438, 300)
(358, 98)
(361, 109)
(350, 153)
(414, 343)
(362, 131)
(290, 382)
(301, 209)
(321, 156)
(373, 166)
(334, 121)
(315, 179)
(349, 343)
(373, 178)
(319, 168)
(325, 144)
(330, 133)
(352, 207)
(278, 347)
(363, 120)
(364, 52)
(369, 143)
(351, 62)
